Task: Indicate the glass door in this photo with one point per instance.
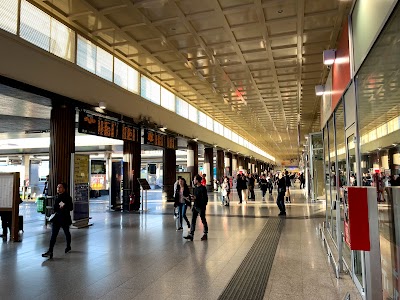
(357, 257)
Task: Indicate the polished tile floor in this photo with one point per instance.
(141, 256)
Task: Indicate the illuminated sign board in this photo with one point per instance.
(99, 126)
(160, 140)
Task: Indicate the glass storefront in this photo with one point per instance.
(368, 154)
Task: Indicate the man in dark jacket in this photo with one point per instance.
(281, 194)
(62, 219)
(250, 185)
(199, 208)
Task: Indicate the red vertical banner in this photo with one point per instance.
(357, 219)
(341, 67)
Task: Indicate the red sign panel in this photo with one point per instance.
(357, 219)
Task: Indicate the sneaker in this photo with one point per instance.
(282, 214)
(204, 237)
(180, 228)
(239, 202)
(68, 249)
(188, 237)
(48, 254)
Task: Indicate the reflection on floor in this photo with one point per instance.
(142, 256)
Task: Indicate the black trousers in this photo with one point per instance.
(202, 217)
(280, 201)
(239, 191)
(6, 217)
(251, 192)
(54, 233)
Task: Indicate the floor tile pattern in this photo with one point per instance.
(142, 256)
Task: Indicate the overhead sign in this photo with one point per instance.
(160, 140)
(99, 126)
(172, 142)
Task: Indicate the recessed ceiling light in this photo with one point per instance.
(280, 11)
(172, 28)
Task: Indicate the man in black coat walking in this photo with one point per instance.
(62, 218)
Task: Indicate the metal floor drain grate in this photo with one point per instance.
(251, 278)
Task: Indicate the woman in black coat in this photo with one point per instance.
(62, 219)
(182, 201)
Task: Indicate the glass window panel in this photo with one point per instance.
(104, 64)
(210, 123)
(327, 178)
(120, 73)
(372, 135)
(8, 15)
(133, 80)
(240, 141)
(202, 119)
(218, 128)
(35, 26)
(235, 137)
(182, 108)
(167, 99)
(228, 133)
(246, 143)
(62, 43)
(193, 115)
(86, 54)
(150, 90)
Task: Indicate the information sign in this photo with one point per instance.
(144, 184)
(154, 138)
(99, 126)
(172, 142)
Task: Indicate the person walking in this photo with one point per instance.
(225, 191)
(199, 208)
(281, 194)
(244, 187)
(239, 187)
(270, 183)
(263, 186)
(182, 201)
(302, 180)
(288, 184)
(250, 185)
(62, 219)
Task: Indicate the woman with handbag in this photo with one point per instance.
(182, 201)
(62, 219)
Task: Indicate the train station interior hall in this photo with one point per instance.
(214, 149)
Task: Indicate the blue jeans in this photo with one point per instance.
(182, 214)
(280, 202)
